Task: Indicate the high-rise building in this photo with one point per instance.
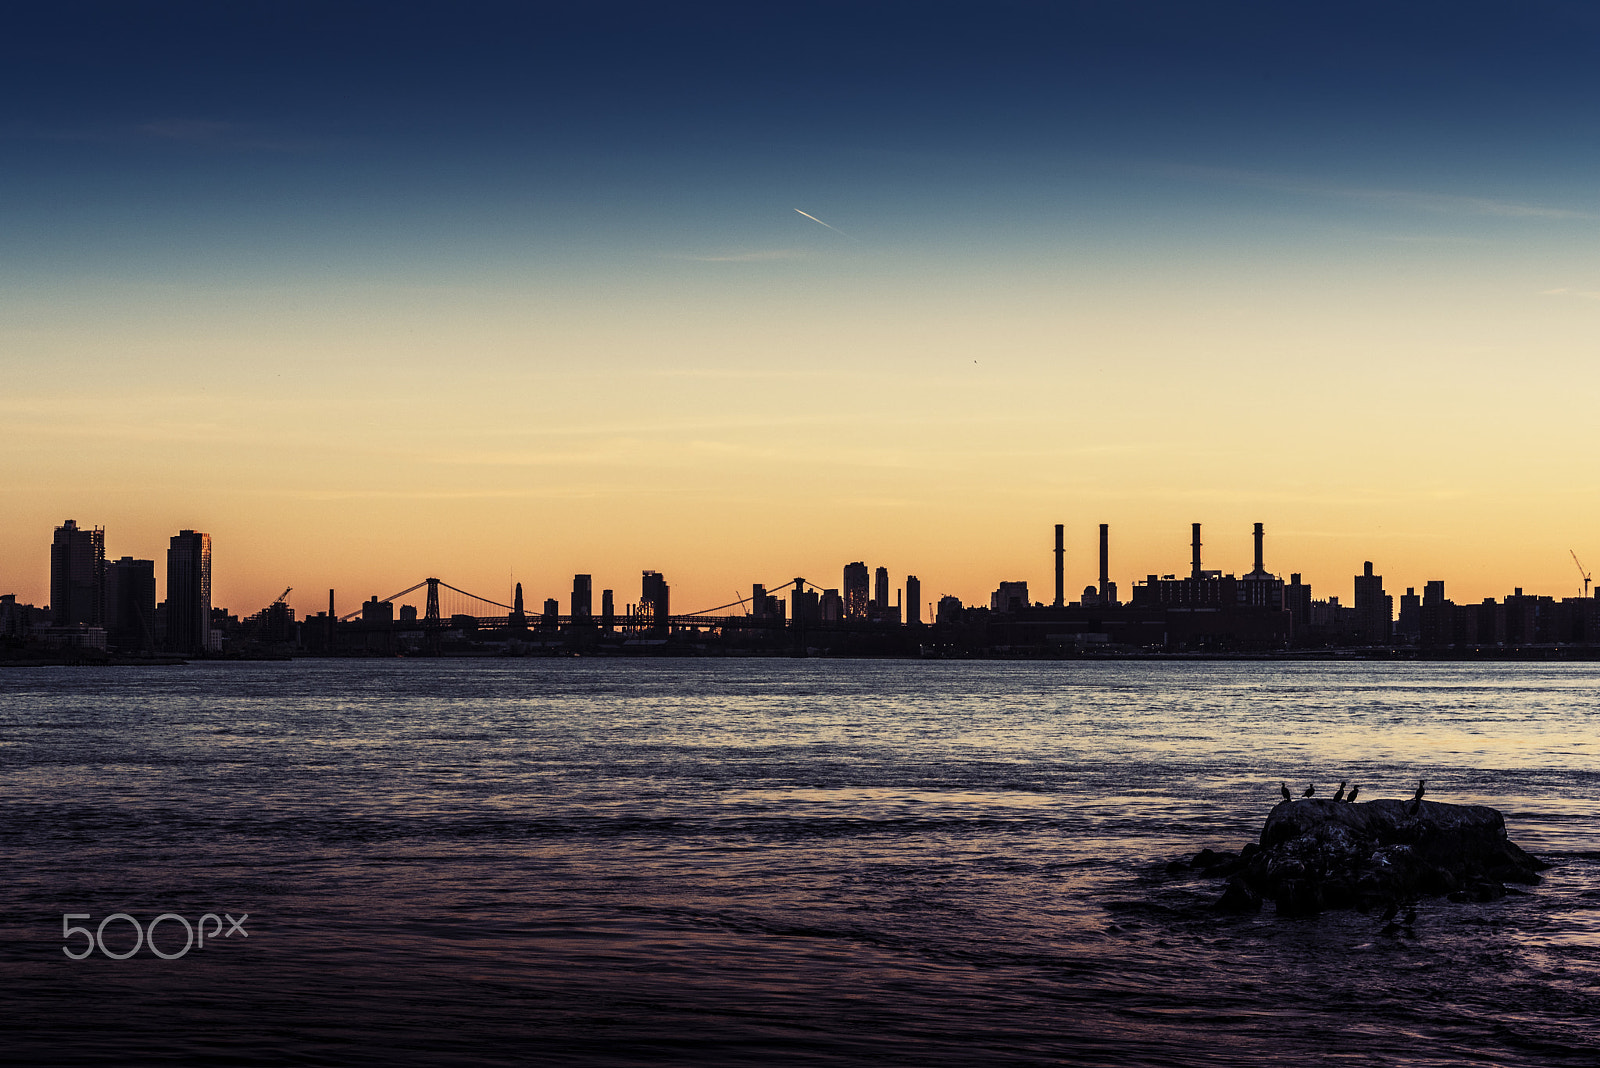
(880, 590)
(608, 609)
(913, 600)
(1374, 608)
(856, 598)
(1408, 624)
(654, 594)
(582, 597)
(1297, 602)
(131, 604)
(189, 593)
(78, 575)
(831, 608)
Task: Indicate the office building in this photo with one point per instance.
(913, 600)
(582, 597)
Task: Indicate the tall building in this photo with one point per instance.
(655, 594)
(1374, 608)
(582, 597)
(131, 604)
(1010, 597)
(1297, 602)
(608, 609)
(857, 601)
(913, 600)
(78, 575)
(189, 593)
(880, 589)
(1408, 624)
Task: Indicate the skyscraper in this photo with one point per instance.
(1374, 608)
(655, 593)
(189, 592)
(913, 600)
(131, 603)
(582, 597)
(880, 589)
(856, 597)
(78, 575)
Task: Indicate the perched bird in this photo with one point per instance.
(1338, 795)
(1353, 791)
(1416, 800)
(1284, 787)
(1311, 788)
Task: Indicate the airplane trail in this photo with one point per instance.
(819, 222)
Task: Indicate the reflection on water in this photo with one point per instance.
(752, 861)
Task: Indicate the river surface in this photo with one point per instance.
(766, 861)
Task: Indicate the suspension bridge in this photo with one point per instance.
(436, 605)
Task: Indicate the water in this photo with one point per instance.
(771, 861)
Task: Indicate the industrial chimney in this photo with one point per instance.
(1105, 562)
(1061, 575)
(1260, 568)
(1195, 573)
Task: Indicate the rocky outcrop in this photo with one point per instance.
(1316, 855)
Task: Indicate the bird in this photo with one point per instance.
(1416, 800)
(1338, 795)
(1284, 787)
(1311, 788)
(1352, 797)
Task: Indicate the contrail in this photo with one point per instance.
(819, 222)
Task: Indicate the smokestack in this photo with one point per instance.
(1105, 559)
(1260, 567)
(1195, 573)
(1061, 573)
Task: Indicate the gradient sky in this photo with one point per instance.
(375, 292)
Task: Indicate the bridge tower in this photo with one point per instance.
(432, 614)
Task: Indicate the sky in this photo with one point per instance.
(507, 292)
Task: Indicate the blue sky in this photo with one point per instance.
(1076, 238)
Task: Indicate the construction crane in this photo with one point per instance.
(1586, 575)
(284, 596)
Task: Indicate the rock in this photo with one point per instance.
(1316, 855)
(1239, 898)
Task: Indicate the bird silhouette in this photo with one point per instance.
(1416, 800)
(1352, 796)
(1284, 787)
(1311, 788)
(1338, 795)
